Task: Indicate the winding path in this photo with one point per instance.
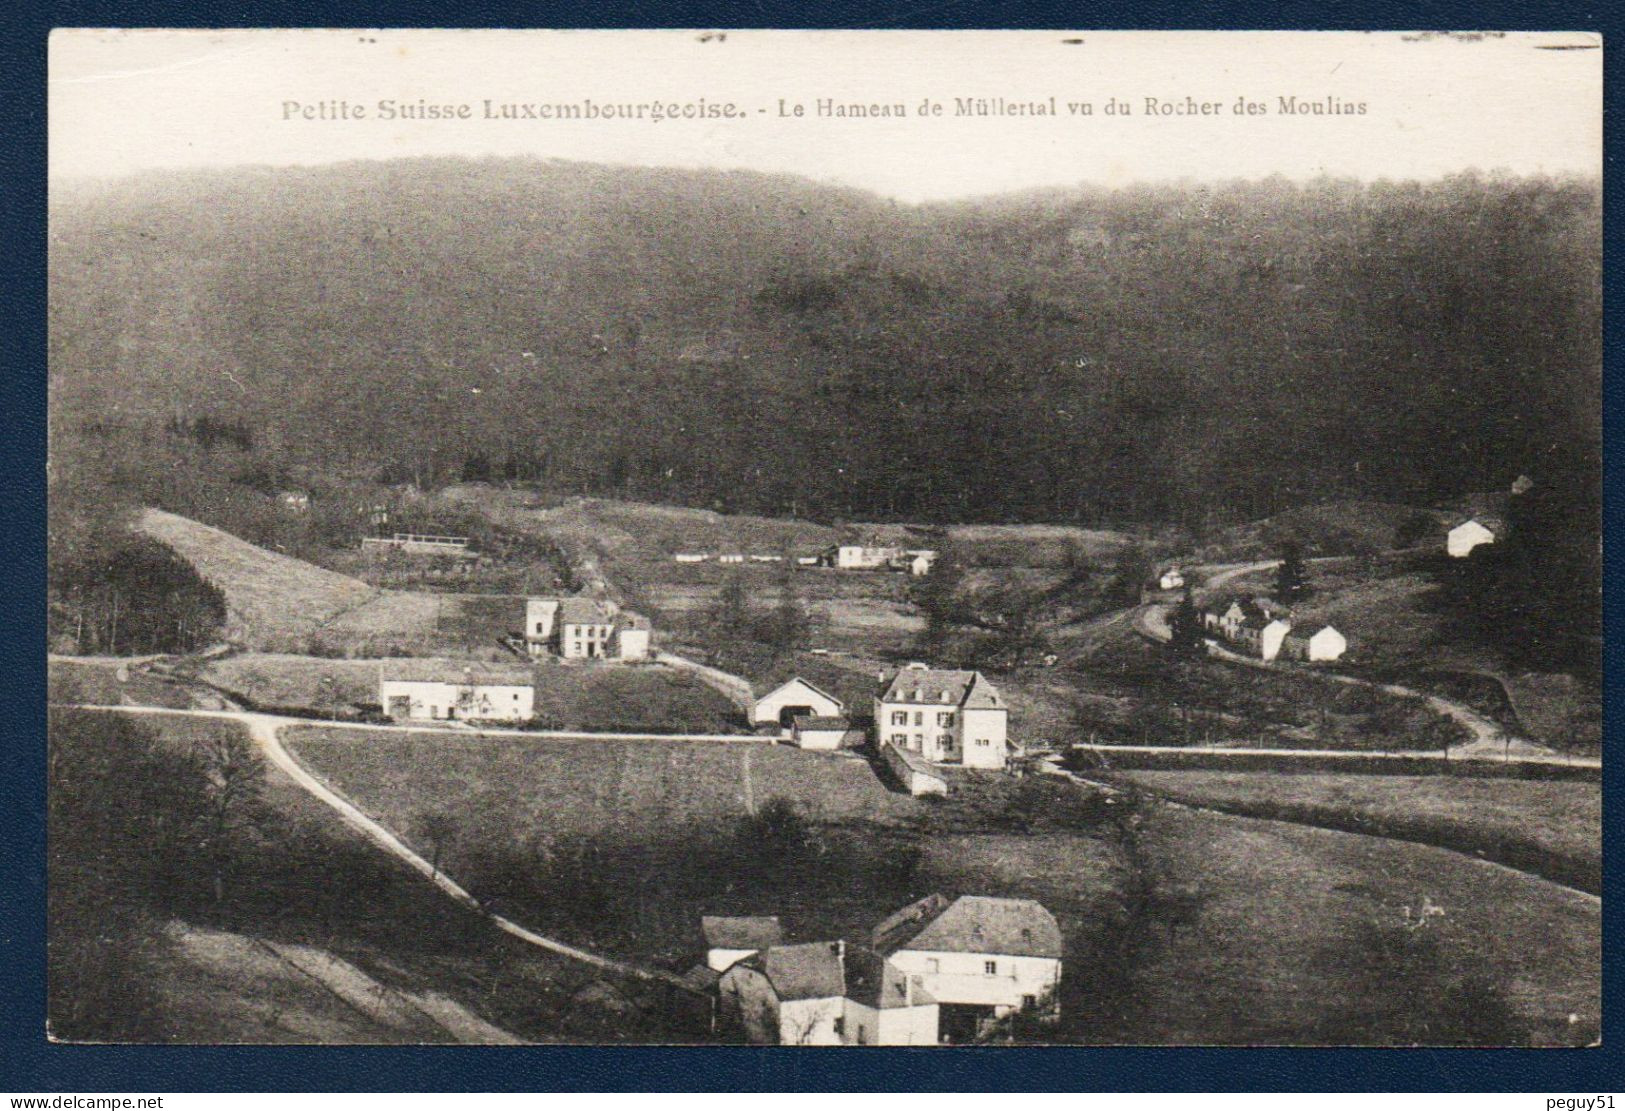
(265, 730)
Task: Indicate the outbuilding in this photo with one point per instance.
(796, 698)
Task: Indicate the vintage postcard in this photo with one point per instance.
(825, 538)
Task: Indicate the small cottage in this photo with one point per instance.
(823, 734)
(1314, 644)
(796, 698)
(1461, 540)
(431, 690)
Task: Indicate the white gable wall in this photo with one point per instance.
(1465, 537)
(796, 693)
(865, 1025)
(964, 978)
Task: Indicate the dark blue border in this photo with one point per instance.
(29, 1064)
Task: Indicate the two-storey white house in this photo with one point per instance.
(949, 717)
(429, 690)
(979, 957)
(583, 628)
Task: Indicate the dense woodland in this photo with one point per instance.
(1194, 352)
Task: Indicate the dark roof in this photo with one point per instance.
(929, 685)
(582, 610)
(971, 924)
(457, 671)
(817, 721)
(1304, 632)
(626, 619)
(808, 971)
(875, 982)
(744, 932)
(702, 977)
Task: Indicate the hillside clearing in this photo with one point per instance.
(1551, 827)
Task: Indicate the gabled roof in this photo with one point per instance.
(971, 924)
(928, 685)
(742, 932)
(478, 672)
(1307, 632)
(799, 681)
(702, 977)
(626, 619)
(876, 982)
(808, 971)
(581, 610)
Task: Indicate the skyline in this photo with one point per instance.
(1394, 106)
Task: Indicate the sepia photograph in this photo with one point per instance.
(824, 538)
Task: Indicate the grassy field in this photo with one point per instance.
(278, 603)
(624, 846)
(303, 879)
(1554, 827)
(99, 684)
(1334, 528)
(1279, 937)
(1300, 937)
(595, 698)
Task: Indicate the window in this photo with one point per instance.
(946, 741)
(899, 717)
(945, 719)
(919, 717)
(840, 1024)
(991, 968)
(981, 742)
(1028, 1002)
(932, 964)
(899, 738)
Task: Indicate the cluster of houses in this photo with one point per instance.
(944, 716)
(1266, 630)
(939, 970)
(574, 628)
(845, 557)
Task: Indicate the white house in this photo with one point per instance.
(584, 628)
(824, 734)
(787, 995)
(1462, 539)
(980, 957)
(823, 993)
(885, 1005)
(730, 939)
(1314, 644)
(690, 557)
(916, 561)
(807, 561)
(1271, 636)
(631, 637)
(732, 557)
(1171, 579)
(424, 690)
(861, 557)
(796, 698)
(949, 717)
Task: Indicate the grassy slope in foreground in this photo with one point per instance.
(1552, 828)
(1292, 944)
(623, 846)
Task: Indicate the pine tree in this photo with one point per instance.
(1291, 574)
(1185, 628)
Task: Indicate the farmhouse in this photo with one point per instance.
(424, 690)
(1314, 644)
(1461, 540)
(584, 628)
(979, 957)
(861, 557)
(823, 993)
(951, 717)
(824, 734)
(797, 698)
(729, 939)
(787, 994)
(690, 557)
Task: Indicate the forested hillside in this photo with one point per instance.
(767, 344)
